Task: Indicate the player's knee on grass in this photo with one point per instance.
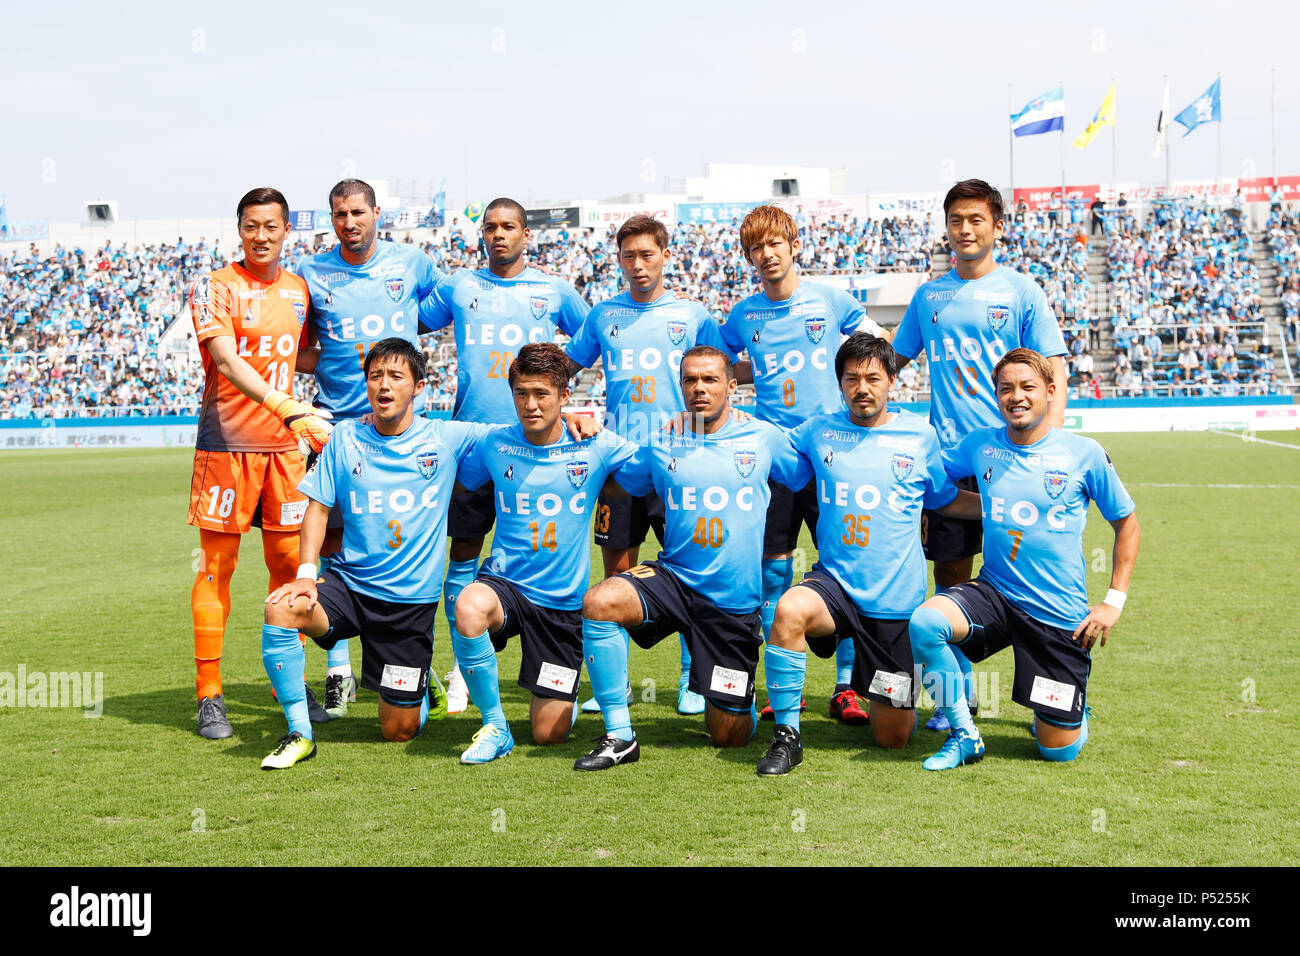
(727, 728)
(891, 727)
(398, 724)
(1058, 744)
(551, 720)
(474, 609)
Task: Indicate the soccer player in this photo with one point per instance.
(495, 311)
(713, 480)
(1036, 482)
(393, 480)
(248, 318)
(965, 321)
(790, 329)
(640, 336)
(532, 584)
(874, 468)
(362, 291)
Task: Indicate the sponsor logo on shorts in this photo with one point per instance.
(1052, 693)
(539, 305)
(291, 512)
(555, 677)
(676, 331)
(395, 287)
(728, 681)
(400, 678)
(897, 687)
(902, 465)
(814, 328)
(998, 315)
(745, 460)
(1055, 483)
(577, 472)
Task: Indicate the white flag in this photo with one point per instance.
(1162, 124)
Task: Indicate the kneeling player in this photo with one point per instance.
(706, 583)
(874, 469)
(546, 486)
(393, 479)
(1036, 483)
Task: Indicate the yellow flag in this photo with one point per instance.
(1105, 117)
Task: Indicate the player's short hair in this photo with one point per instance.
(707, 351)
(975, 189)
(396, 348)
(764, 221)
(502, 202)
(642, 226)
(353, 187)
(863, 347)
(1024, 357)
(262, 196)
(541, 360)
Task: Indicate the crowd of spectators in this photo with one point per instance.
(1284, 242)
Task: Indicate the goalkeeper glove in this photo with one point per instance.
(305, 422)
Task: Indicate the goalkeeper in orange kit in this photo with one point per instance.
(250, 319)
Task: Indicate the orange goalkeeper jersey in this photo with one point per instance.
(267, 320)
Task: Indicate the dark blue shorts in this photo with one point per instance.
(951, 539)
(396, 639)
(623, 521)
(472, 513)
(883, 668)
(724, 645)
(551, 641)
(786, 513)
(1051, 667)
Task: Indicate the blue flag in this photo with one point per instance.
(1206, 108)
(1042, 114)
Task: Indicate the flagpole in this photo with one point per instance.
(1274, 110)
(1114, 149)
(1219, 185)
(1062, 84)
(1168, 180)
(1011, 146)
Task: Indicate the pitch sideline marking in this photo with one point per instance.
(1186, 484)
(1258, 441)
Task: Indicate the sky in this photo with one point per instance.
(175, 110)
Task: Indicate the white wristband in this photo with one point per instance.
(307, 571)
(1115, 599)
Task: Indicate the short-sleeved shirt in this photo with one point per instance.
(353, 307)
(792, 346)
(393, 491)
(641, 346)
(266, 320)
(715, 493)
(964, 327)
(544, 496)
(494, 317)
(872, 484)
(1035, 502)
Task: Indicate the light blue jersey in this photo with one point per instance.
(792, 346)
(1035, 501)
(353, 307)
(641, 346)
(871, 486)
(964, 327)
(544, 496)
(715, 494)
(494, 317)
(394, 492)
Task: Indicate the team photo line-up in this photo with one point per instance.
(354, 532)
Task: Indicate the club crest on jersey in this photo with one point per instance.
(998, 315)
(539, 305)
(395, 287)
(428, 462)
(676, 331)
(745, 462)
(577, 472)
(815, 328)
(300, 310)
(1054, 482)
(902, 465)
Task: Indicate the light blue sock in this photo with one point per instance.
(337, 656)
(685, 660)
(967, 673)
(424, 712)
(785, 676)
(460, 574)
(1069, 751)
(941, 675)
(778, 574)
(604, 645)
(478, 663)
(285, 661)
(844, 657)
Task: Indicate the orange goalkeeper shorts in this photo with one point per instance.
(233, 490)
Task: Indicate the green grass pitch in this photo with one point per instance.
(1191, 759)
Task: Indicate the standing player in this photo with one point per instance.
(640, 336)
(393, 480)
(362, 291)
(1036, 482)
(790, 330)
(874, 468)
(495, 311)
(713, 480)
(532, 584)
(249, 321)
(965, 321)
